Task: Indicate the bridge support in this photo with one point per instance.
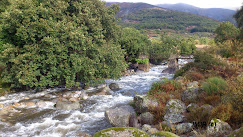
(172, 64)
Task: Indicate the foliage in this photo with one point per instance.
(3, 5)
(142, 61)
(194, 76)
(226, 31)
(239, 17)
(187, 47)
(214, 85)
(134, 43)
(134, 131)
(158, 18)
(59, 42)
(165, 134)
(222, 112)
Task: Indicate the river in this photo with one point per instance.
(50, 122)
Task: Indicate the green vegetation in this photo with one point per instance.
(108, 132)
(158, 18)
(134, 43)
(142, 61)
(164, 134)
(214, 85)
(45, 47)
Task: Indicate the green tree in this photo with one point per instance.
(226, 31)
(134, 43)
(239, 19)
(52, 42)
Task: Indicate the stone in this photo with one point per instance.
(143, 67)
(190, 94)
(175, 106)
(120, 116)
(193, 84)
(147, 118)
(26, 98)
(114, 86)
(236, 133)
(103, 91)
(152, 131)
(219, 128)
(41, 104)
(164, 134)
(83, 134)
(121, 132)
(29, 104)
(143, 104)
(67, 105)
(174, 117)
(184, 128)
(191, 107)
(73, 100)
(1, 105)
(146, 127)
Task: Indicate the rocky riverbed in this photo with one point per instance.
(64, 112)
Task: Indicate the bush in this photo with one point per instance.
(195, 76)
(214, 85)
(222, 112)
(142, 61)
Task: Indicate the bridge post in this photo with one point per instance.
(172, 64)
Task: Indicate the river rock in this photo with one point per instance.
(147, 118)
(120, 116)
(221, 128)
(41, 104)
(184, 128)
(237, 132)
(174, 117)
(1, 105)
(29, 104)
(67, 105)
(175, 106)
(114, 86)
(103, 91)
(190, 94)
(73, 100)
(193, 84)
(146, 127)
(121, 132)
(143, 104)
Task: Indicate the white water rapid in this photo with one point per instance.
(50, 122)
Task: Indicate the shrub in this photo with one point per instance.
(214, 85)
(222, 112)
(142, 61)
(195, 76)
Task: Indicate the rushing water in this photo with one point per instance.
(51, 122)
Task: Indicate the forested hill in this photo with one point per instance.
(215, 13)
(146, 16)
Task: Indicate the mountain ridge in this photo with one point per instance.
(219, 14)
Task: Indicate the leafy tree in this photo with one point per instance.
(226, 31)
(52, 42)
(239, 19)
(134, 43)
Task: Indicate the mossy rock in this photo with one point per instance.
(164, 134)
(236, 133)
(121, 131)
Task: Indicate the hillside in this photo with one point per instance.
(215, 13)
(146, 16)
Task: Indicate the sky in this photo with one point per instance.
(229, 4)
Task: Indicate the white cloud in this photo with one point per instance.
(198, 3)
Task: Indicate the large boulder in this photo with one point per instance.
(67, 105)
(121, 116)
(174, 117)
(121, 132)
(114, 86)
(147, 118)
(149, 129)
(218, 127)
(236, 133)
(190, 94)
(184, 128)
(175, 106)
(191, 107)
(143, 104)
